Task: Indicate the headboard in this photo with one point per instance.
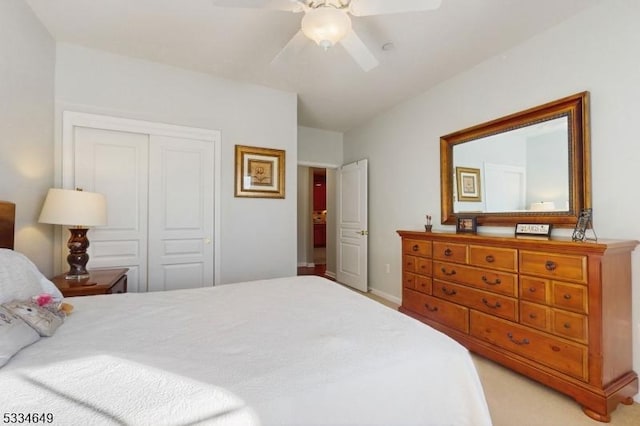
(7, 224)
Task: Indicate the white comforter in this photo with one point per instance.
(293, 351)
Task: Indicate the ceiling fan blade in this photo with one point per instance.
(386, 7)
(286, 5)
(292, 48)
(359, 51)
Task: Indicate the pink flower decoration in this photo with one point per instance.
(43, 299)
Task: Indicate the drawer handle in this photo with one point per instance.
(490, 259)
(524, 341)
(444, 271)
(489, 305)
(486, 280)
(448, 252)
(448, 292)
(567, 296)
(567, 325)
(550, 265)
(415, 247)
(431, 309)
(532, 289)
(533, 316)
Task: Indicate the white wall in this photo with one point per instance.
(596, 50)
(258, 236)
(320, 148)
(27, 57)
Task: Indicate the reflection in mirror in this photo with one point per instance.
(525, 169)
(529, 167)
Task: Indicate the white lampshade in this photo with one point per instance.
(542, 206)
(74, 208)
(326, 25)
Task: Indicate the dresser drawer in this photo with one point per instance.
(557, 266)
(562, 355)
(409, 263)
(450, 252)
(409, 280)
(570, 325)
(495, 281)
(492, 303)
(569, 296)
(423, 284)
(534, 315)
(449, 314)
(417, 247)
(423, 266)
(493, 257)
(535, 289)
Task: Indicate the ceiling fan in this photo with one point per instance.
(327, 22)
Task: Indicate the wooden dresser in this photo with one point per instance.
(554, 310)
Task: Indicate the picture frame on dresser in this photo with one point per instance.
(540, 230)
(466, 225)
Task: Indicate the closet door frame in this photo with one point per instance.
(72, 119)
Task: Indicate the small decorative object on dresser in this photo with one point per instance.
(466, 224)
(533, 229)
(100, 281)
(428, 226)
(554, 310)
(584, 222)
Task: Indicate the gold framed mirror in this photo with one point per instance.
(533, 166)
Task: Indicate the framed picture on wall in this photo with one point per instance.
(259, 172)
(468, 180)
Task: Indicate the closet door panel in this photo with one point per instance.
(181, 202)
(115, 163)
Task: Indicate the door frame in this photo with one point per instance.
(72, 119)
(309, 248)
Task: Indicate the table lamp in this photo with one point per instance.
(79, 210)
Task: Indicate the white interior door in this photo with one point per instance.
(352, 217)
(181, 216)
(115, 163)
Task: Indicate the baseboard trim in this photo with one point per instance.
(330, 274)
(306, 265)
(386, 296)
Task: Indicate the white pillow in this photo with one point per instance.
(48, 286)
(19, 277)
(15, 334)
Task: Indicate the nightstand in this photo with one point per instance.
(107, 281)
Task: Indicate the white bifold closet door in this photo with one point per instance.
(160, 200)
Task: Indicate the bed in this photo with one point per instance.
(289, 351)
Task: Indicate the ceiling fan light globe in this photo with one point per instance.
(326, 25)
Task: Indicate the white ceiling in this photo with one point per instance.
(333, 92)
